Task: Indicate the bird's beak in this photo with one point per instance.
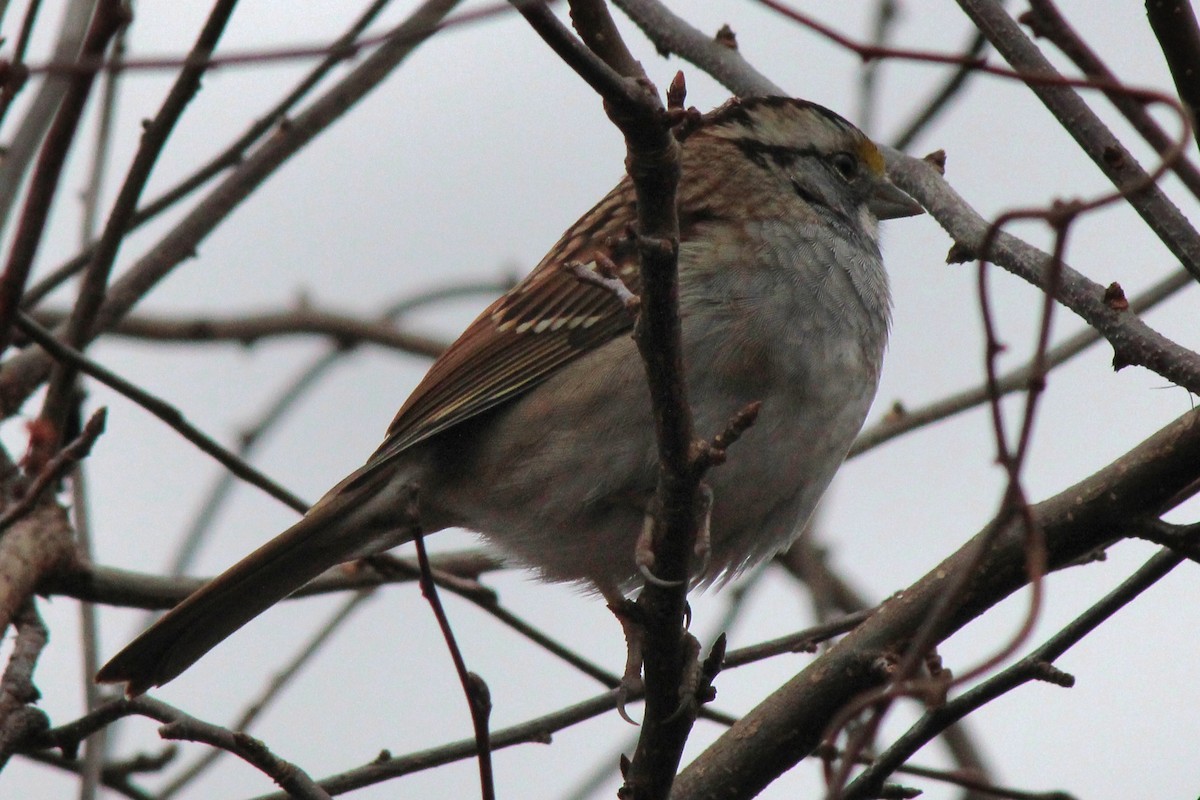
(889, 202)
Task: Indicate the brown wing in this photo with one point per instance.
(547, 320)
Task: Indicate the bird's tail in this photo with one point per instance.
(343, 526)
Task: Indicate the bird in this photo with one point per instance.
(534, 428)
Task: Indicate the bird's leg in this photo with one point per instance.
(643, 552)
(628, 614)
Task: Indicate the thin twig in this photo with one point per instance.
(228, 158)
(479, 700)
(278, 682)
(172, 416)
(903, 420)
(885, 18)
(1027, 669)
(127, 589)
(55, 469)
(346, 330)
(93, 188)
(44, 181)
(155, 132)
(940, 101)
(23, 373)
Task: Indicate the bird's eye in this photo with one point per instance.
(845, 164)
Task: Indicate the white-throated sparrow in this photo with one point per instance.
(534, 427)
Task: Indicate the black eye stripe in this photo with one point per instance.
(763, 155)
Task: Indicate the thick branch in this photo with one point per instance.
(787, 726)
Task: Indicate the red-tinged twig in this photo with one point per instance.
(784, 728)
(343, 50)
(903, 681)
(1013, 503)
(160, 409)
(479, 700)
(55, 469)
(904, 420)
(1133, 342)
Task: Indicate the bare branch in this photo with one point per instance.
(1174, 25)
(1133, 341)
(95, 278)
(1032, 667)
(22, 374)
(673, 34)
(787, 725)
(248, 329)
(1093, 137)
(44, 182)
(161, 409)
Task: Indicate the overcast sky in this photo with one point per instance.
(464, 167)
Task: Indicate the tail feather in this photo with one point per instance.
(329, 535)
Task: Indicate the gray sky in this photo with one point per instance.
(465, 166)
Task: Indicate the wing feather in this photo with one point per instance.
(547, 320)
